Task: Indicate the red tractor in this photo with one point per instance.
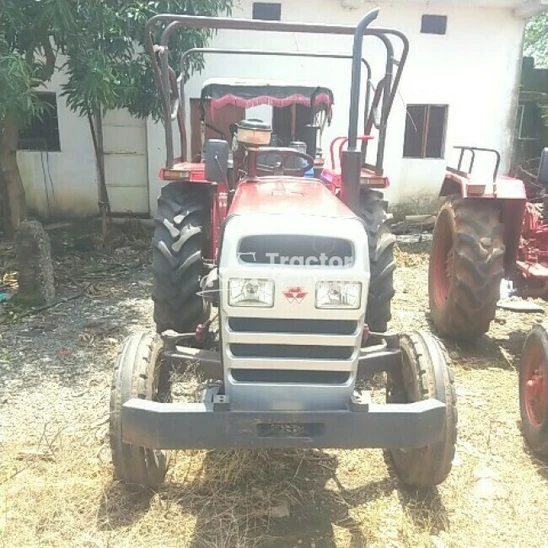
(490, 230)
(299, 269)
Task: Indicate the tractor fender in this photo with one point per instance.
(509, 193)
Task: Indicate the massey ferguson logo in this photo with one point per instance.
(295, 294)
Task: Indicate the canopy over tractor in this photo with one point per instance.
(300, 273)
(247, 93)
(218, 93)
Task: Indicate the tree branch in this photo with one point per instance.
(29, 55)
(48, 69)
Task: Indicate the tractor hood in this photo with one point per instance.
(287, 196)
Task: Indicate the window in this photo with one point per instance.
(425, 127)
(528, 117)
(268, 11)
(43, 131)
(434, 24)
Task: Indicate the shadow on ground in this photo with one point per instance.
(415, 245)
(485, 352)
(120, 506)
(234, 496)
(424, 506)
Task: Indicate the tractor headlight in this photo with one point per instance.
(250, 292)
(338, 295)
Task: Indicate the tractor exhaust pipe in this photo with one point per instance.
(351, 161)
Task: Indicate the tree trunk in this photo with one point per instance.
(11, 186)
(96, 128)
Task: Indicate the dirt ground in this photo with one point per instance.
(56, 484)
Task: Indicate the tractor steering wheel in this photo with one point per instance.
(284, 154)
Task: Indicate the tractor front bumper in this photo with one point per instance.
(212, 425)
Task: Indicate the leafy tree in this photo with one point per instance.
(100, 45)
(536, 39)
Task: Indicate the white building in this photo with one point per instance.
(464, 60)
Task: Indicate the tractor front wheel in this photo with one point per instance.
(381, 260)
(466, 267)
(533, 390)
(139, 373)
(426, 373)
(177, 260)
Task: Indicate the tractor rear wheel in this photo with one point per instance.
(466, 267)
(426, 373)
(177, 261)
(533, 390)
(381, 260)
(139, 373)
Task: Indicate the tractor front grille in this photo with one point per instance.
(293, 326)
(315, 361)
(291, 351)
(296, 250)
(290, 376)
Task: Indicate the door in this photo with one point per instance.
(126, 164)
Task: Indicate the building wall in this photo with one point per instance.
(65, 183)
(62, 184)
(474, 69)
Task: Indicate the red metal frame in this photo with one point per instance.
(535, 379)
(344, 140)
(532, 260)
(333, 175)
(219, 212)
(525, 230)
(184, 172)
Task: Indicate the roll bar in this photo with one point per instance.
(274, 53)
(473, 151)
(163, 73)
(162, 70)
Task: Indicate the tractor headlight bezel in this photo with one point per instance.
(335, 294)
(251, 292)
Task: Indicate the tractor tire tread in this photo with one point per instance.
(429, 466)
(536, 436)
(381, 260)
(178, 258)
(133, 377)
(479, 269)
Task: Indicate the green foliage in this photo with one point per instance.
(28, 31)
(17, 99)
(107, 64)
(101, 44)
(536, 39)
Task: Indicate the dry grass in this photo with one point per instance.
(64, 495)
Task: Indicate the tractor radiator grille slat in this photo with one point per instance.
(296, 250)
(293, 326)
(290, 351)
(289, 376)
